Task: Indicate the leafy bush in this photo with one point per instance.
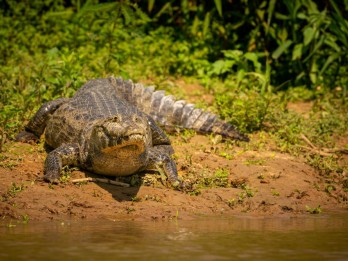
(303, 41)
(244, 56)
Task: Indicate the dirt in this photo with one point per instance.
(259, 183)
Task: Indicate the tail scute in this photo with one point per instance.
(165, 111)
(186, 115)
(171, 113)
(194, 116)
(177, 111)
(156, 101)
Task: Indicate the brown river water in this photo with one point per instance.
(312, 237)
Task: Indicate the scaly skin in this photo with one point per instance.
(109, 127)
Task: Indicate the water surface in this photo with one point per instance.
(315, 237)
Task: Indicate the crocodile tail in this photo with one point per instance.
(169, 113)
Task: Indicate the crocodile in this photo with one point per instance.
(113, 127)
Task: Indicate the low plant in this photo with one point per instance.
(136, 199)
(316, 210)
(218, 179)
(25, 219)
(14, 189)
(275, 193)
(9, 162)
(66, 173)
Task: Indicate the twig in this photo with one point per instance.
(106, 181)
(316, 151)
(323, 151)
(308, 141)
(81, 180)
(335, 150)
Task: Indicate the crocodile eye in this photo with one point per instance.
(136, 119)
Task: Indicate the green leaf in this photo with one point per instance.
(218, 67)
(143, 16)
(282, 48)
(66, 12)
(316, 48)
(206, 23)
(195, 25)
(98, 7)
(260, 13)
(221, 29)
(328, 61)
(281, 16)
(283, 34)
(332, 43)
(336, 29)
(270, 13)
(164, 9)
(218, 6)
(297, 51)
(232, 54)
(185, 6)
(127, 13)
(311, 7)
(313, 73)
(253, 57)
(240, 76)
(150, 4)
(341, 19)
(308, 35)
(302, 16)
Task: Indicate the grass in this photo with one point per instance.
(246, 193)
(275, 193)
(9, 162)
(14, 189)
(66, 173)
(254, 162)
(135, 199)
(315, 210)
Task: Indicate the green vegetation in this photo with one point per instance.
(15, 189)
(275, 193)
(9, 162)
(218, 179)
(254, 57)
(25, 219)
(135, 199)
(316, 210)
(66, 174)
(242, 196)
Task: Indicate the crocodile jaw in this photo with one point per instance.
(132, 145)
(125, 158)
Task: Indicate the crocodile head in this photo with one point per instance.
(120, 134)
(118, 145)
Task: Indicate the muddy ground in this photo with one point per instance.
(259, 183)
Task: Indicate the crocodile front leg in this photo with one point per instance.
(37, 124)
(67, 154)
(159, 157)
